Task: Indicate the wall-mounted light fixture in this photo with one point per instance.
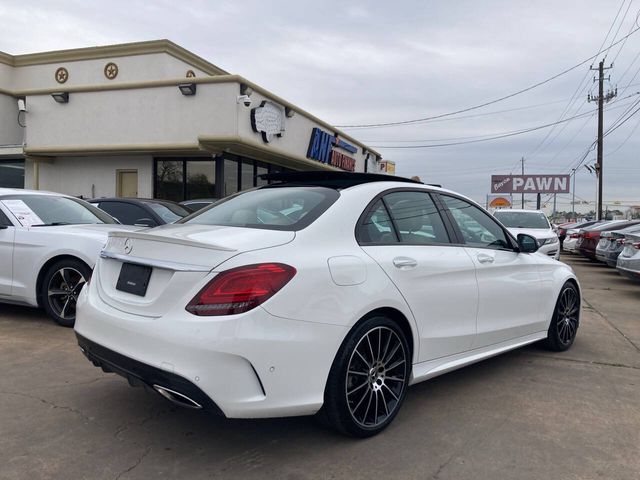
(187, 89)
(61, 97)
(289, 112)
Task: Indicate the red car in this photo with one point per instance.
(590, 236)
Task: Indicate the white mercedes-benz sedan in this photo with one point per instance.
(48, 245)
(323, 293)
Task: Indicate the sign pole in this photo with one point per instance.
(522, 162)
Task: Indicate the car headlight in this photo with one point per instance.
(548, 241)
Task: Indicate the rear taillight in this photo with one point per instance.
(636, 245)
(240, 289)
(620, 241)
(574, 235)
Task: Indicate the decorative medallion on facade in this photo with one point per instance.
(191, 74)
(62, 75)
(111, 70)
(321, 148)
(268, 119)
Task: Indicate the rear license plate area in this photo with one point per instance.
(134, 279)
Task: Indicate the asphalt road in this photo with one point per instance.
(528, 414)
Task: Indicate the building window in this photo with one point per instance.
(261, 169)
(230, 176)
(247, 175)
(201, 179)
(12, 173)
(170, 180)
(189, 178)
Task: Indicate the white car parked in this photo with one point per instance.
(534, 223)
(372, 286)
(48, 246)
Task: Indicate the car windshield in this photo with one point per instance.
(168, 211)
(272, 208)
(522, 219)
(49, 210)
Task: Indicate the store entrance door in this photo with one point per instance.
(127, 183)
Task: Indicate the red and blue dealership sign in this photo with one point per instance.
(321, 149)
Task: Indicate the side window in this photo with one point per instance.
(126, 213)
(416, 218)
(477, 227)
(4, 221)
(377, 226)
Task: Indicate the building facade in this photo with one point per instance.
(152, 119)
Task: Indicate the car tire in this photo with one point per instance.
(566, 319)
(368, 379)
(60, 288)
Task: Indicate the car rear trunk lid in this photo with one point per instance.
(167, 262)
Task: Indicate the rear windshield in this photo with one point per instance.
(49, 210)
(168, 211)
(271, 208)
(522, 219)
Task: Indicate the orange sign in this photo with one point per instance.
(500, 202)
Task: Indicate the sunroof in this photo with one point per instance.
(332, 179)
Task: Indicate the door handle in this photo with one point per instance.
(404, 263)
(484, 258)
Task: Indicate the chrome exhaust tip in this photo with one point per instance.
(177, 397)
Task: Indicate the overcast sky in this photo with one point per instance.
(375, 62)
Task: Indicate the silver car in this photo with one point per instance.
(612, 243)
(629, 259)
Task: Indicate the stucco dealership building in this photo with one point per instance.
(152, 119)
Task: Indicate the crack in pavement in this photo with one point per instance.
(610, 323)
(50, 403)
(154, 416)
(586, 362)
(135, 465)
(472, 443)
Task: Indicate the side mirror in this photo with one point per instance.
(527, 243)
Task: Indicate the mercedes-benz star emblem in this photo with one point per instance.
(128, 246)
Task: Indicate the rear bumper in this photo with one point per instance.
(629, 267)
(601, 256)
(141, 374)
(632, 274)
(249, 365)
(588, 253)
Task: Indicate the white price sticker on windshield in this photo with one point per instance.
(23, 213)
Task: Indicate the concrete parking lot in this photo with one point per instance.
(529, 414)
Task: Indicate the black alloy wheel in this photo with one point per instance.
(368, 379)
(566, 319)
(60, 289)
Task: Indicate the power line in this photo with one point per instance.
(578, 163)
(494, 112)
(496, 137)
(619, 26)
(625, 140)
(553, 77)
(476, 139)
(625, 41)
(580, 88)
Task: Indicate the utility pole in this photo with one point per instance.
(601, 99)
(573, 195)
(522, 163)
